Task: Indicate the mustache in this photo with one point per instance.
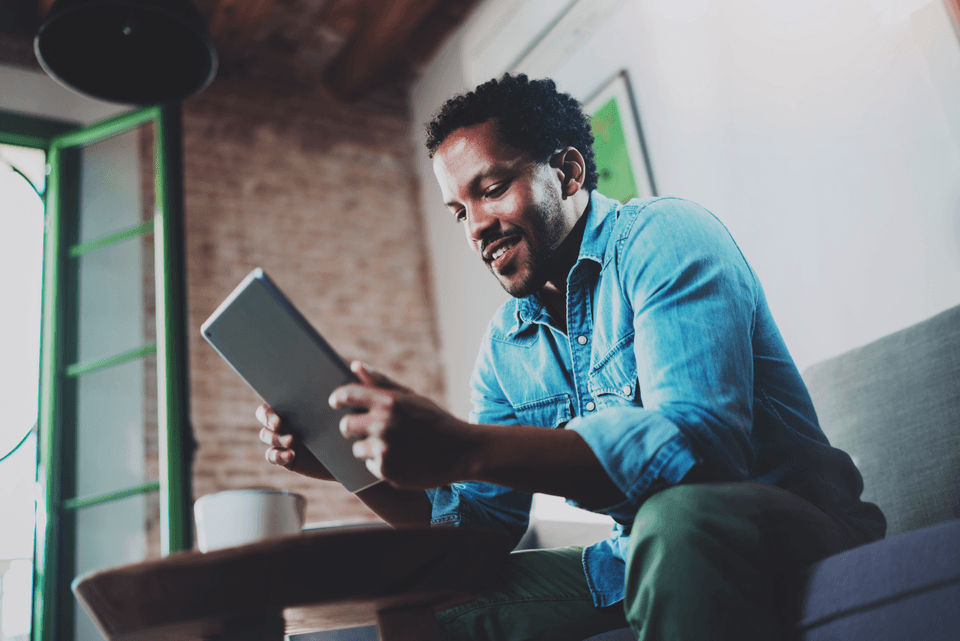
(494, 236)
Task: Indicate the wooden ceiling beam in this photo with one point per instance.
(372, 42)
(44, 7)
(232, 24)
(374, 46)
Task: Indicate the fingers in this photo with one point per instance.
(369, 376)
(368, 449)
(366, 429)
(286, 450)
(374, 389)
(371, 452)
(270, 437)
(281, 450)
(354, 426)
(280, 457)
(267, 417)
(376, 468)
(361, 397)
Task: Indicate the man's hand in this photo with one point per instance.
(413, 444)
(404, 438)
(286, 450)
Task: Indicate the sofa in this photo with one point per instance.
(894, 406)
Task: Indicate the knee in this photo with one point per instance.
(681, 523)
(672, 513)
(685, 525)
(666, 538)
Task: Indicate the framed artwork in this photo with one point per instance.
(618, 146)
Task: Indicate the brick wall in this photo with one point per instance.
(323, 197)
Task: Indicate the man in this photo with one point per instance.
(641, 335)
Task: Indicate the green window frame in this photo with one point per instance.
(58, 504)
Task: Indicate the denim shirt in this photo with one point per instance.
(669, 359)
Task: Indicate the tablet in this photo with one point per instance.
(263, 337)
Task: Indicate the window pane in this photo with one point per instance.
(18, 474)
(117, 427)
(113, 534)
(116, 299)
(32, 162)
(21, 227)
(116, 183)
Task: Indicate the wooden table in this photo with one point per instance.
(319, 580)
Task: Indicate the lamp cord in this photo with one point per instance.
(39, 195)
(20, 444)
(22, 175)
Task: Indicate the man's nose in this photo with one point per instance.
(479, 224)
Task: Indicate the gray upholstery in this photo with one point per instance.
(894, 406)
(623, 634)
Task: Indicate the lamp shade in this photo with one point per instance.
(140, 52)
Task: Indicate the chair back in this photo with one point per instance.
(894, 407)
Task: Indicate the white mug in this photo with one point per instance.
(236, 517)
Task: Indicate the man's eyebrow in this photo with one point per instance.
(479, 177)
(476, 180)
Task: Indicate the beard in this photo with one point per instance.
(547, 226)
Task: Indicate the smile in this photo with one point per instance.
(496, 251)
(499, 247)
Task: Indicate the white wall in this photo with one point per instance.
(34, 93)
(825, 134)
(465, 294)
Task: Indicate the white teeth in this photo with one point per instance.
(500, 252)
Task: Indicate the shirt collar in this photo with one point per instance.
(601, 217)
(600, 222)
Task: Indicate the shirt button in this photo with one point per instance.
(626, 389)
(590, 406)
(582, 340)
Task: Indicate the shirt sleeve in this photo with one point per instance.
(693, 298)
(476, 504)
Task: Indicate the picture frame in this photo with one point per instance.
(619, 148)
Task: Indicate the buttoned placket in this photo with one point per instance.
(580, 332)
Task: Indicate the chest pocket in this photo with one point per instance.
(612, 380)
(546, 412)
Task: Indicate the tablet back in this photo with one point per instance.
(289, 365)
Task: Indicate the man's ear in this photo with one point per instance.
(572, 170)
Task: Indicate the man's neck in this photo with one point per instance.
(554, 291)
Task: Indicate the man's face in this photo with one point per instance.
(510, 206)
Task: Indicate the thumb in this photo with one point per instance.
(369, 376)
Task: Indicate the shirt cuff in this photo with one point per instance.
(641, 457)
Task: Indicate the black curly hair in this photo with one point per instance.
(530, 115)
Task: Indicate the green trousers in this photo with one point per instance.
(706, 561)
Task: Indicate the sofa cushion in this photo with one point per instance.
(623, 634)
(904, 587)
(894, 407)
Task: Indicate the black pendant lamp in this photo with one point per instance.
(139, 52)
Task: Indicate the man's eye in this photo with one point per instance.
(497, 189)
(461, 215)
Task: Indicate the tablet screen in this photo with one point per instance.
(263, 337)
